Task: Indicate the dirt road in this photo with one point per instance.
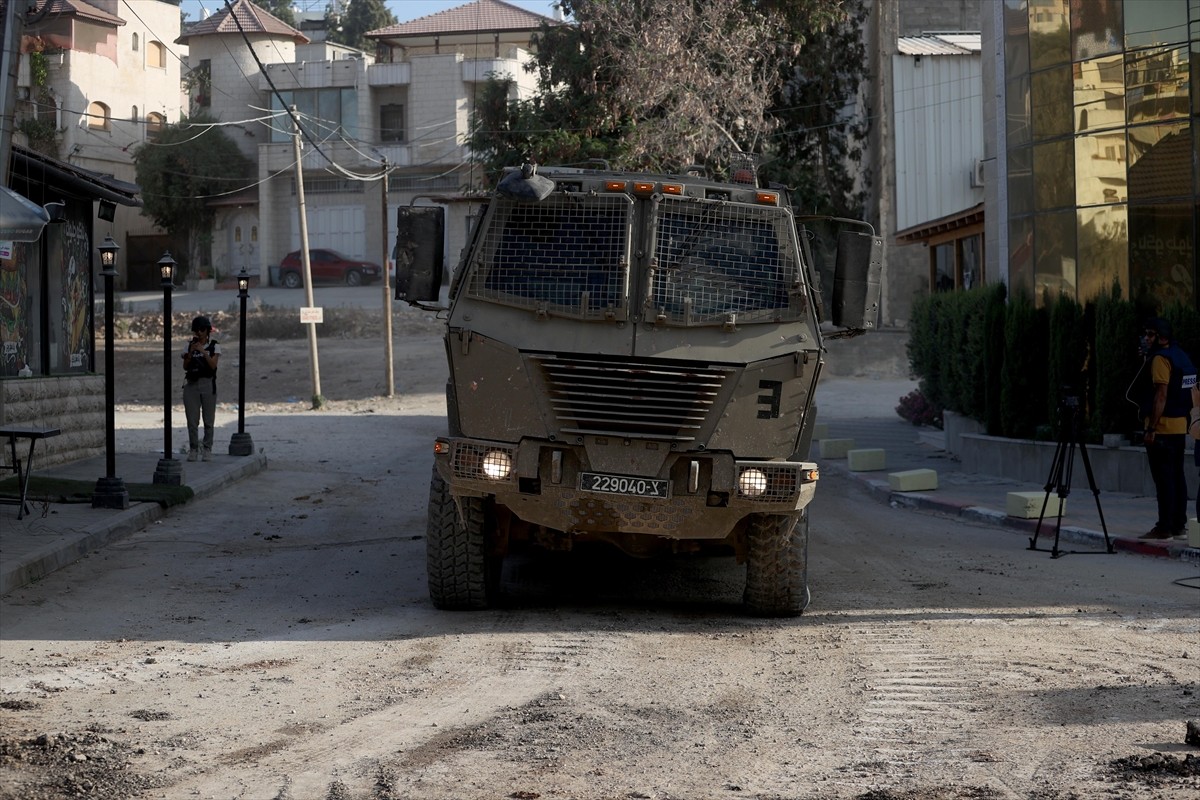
(277, 643)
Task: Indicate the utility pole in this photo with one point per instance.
(389, 372)
(13, 25)
(318, 400)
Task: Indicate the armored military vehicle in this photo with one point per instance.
(633, 360)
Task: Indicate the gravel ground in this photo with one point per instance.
(277, 642)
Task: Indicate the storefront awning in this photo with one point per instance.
(21, 219)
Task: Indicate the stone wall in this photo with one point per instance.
(1116, 469)
(74, 404)
(881, 353)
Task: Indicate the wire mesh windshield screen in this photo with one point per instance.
(566, 255)
(722, 262)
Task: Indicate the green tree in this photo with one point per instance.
(361, 16)
(654, 85)
(188, 164)
(817, 149)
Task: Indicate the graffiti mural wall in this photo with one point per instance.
(16, 306)
(71, 320)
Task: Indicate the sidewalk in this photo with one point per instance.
(56, 534)
(981, 499)
(862, 409)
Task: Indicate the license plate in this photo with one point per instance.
(624, 484)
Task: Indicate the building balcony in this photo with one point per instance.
(398, 74)
(476, 70)
(344, 73)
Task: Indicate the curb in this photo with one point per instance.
(57, 555)
(114, 526)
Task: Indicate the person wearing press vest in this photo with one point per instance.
(200, 390)
(1167, 378)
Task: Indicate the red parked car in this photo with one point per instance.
(328, 266)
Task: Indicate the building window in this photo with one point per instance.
(237, 234)
(199, 83)
(133, 115)
(253, 233)
(942, 263)
(135, 43)
(956, 263)
(391, 122)
(323, 112)
(98, 118)
(156, 55)
(154, 125)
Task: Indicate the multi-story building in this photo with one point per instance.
(94, 81)
(405, 109)
(99, 78)
(1095, 135)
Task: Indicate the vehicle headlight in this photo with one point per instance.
(497, 465)
(752, 482)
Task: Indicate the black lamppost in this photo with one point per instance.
(169, 470)
(240, 444)
(110, 491)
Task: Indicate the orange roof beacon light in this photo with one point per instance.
(616, 186)
(745, 176)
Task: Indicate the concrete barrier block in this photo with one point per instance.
(913, 480)
(1193, 532)
(1028, 505)
(866, 459)
(836, 448)
(820, 431)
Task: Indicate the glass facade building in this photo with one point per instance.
(1102, 140)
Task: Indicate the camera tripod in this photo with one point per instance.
(1059, 479)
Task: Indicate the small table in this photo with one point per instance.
(14, 432)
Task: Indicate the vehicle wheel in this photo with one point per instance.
(777, 565)
(354, 278)
(462, 573)
(291, 279)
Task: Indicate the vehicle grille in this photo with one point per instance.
(641, 400)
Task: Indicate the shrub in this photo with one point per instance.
(1066, 364)
(922, 345)
(1116, 362)
(1023, 388)
(993, 359)
(1001, 361)
(918, 410)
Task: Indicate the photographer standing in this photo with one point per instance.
(200, 390)
(1166, 397)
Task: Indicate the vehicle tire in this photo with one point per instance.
(463, 573)
(354, 278)
(777, 565)
(290, 279)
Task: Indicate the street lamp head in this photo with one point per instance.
(243, 283)
(166, 268)
(108, 256)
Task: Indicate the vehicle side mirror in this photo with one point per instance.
(418, 254)
(856, 276)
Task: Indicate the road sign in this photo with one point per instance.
(312, 314)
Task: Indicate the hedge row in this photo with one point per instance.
(1009, 364)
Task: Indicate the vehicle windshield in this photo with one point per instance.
(716, 260)
(568, 255)
(711, 262)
